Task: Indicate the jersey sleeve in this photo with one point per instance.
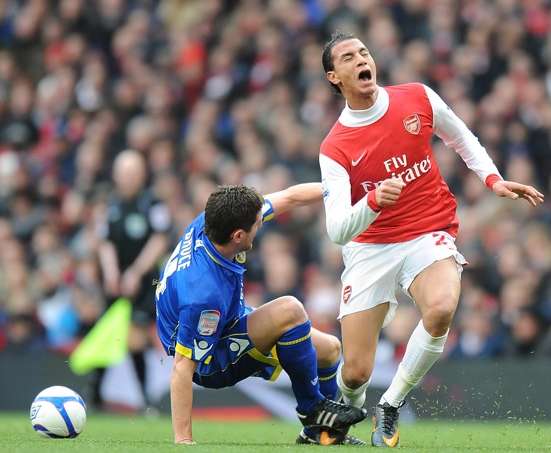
(344, 221)
(199, 327)
(328, 149)
(455, 134)
(267, 211)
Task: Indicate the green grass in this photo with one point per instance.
(135, 434)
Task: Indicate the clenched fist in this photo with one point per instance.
(388, 192)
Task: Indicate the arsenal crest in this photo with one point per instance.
(412, 124)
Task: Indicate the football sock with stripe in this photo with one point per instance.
(353, 397)
(328, 388)
(297, 356)
(328, 381)
(421, 353)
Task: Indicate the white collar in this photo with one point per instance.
(358, 118)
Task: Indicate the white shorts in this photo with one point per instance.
(373, 273)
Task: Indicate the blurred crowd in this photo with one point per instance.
(226, 92)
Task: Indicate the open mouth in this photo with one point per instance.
(365, 75)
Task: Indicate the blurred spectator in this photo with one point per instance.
(134, 239)
(526, 334)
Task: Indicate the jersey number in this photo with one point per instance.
(169, 269)
(442, 239)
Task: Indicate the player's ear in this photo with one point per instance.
(237, 236)
(332, 77)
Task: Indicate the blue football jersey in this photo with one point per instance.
(200, 296)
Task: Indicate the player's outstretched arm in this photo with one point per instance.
(453, 131)
(181, 398)
(514, 190)
(295, 196)
(455, 134)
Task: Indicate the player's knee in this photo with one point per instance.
(440, 314)
(356, 372)
(292, 312)
(328, 351)
(444, 309)
(335, 349)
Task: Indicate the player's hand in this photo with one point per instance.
(514, 190)
(388, 192)
(185, 442)
(130, 283)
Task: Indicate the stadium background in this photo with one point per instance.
(225, 92)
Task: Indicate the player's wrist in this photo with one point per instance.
(491, 180)
(372, 201)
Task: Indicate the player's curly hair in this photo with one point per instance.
(231, 208)
(327, 57)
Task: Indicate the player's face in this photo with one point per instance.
(354, 69)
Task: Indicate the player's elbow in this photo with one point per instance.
(337, 234)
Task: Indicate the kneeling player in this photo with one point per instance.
(218, 341)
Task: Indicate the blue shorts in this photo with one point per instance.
(235, 358)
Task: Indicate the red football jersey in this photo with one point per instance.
(397, 145)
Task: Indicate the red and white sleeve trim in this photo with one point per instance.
(491, 180)
(372, 201)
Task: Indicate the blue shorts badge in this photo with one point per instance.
(208, 322)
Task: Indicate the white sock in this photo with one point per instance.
(352, 397)
(421, 353)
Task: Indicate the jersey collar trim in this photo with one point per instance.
(359, 118)
(215, 256)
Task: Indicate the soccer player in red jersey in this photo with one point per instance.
(388, 206)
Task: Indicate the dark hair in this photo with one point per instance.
(231, 208)
(327, 55)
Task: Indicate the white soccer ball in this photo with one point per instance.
(58, 412)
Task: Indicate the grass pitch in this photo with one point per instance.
(135, 434)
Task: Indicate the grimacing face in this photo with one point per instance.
(354, 70)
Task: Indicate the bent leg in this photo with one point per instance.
(284, 323)
(269, 322)
(360, 334)
(328, 349)
(436, 292)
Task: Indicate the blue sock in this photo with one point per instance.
(328, 388)
(298, 358)
(328, 381)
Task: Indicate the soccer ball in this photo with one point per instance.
(58, 412)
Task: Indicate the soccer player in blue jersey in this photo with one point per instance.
(217, 340)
